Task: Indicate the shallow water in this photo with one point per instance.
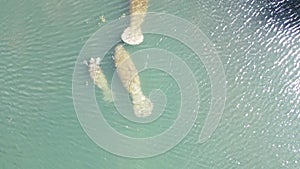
(257, 42)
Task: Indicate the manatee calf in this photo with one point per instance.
(99, 78)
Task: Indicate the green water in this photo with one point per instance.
(40, 42)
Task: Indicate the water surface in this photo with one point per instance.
(258, 43)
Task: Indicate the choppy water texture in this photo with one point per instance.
(257, 41)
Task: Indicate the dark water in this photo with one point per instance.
(258, 43)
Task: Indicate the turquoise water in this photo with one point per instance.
(258, 44)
